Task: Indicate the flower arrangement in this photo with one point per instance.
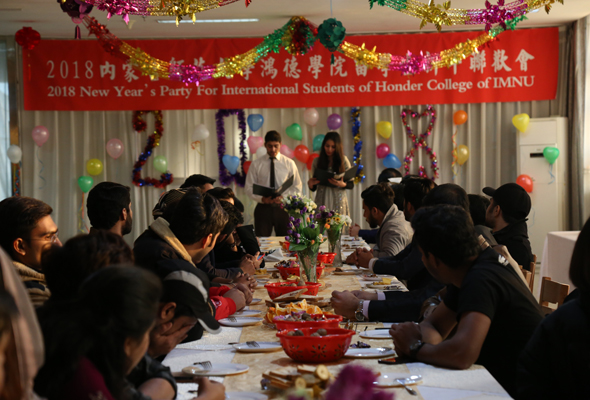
(334, 225)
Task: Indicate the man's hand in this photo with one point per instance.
(267, 200)
(162, 340)
(278, 200)
(338, 182)
(247, 280)
(405, 335)
(351, 259)
(209, 390)
(246, 291)
(363, 256)
(345, 303)
(254, 259)
(247, 266)
(237, 296)
(362, 295)
(354, 230)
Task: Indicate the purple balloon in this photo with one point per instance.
(334, 121)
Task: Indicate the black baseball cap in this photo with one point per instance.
(197, 180)
(513, 200)
(184, 284)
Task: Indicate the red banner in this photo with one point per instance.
(79, 75)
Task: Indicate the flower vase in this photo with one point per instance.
(307, 263)
(335, 245)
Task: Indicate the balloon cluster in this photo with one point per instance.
(355, 115)
(153, 141)
(228, 165)
(420, 141)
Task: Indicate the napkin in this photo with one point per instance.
(274, 256)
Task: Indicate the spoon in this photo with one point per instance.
(405, 382)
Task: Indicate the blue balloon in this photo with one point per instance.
(391, 161)
(317, 142)
(231, 163)
(255, 121)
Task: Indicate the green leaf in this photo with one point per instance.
(297, 247)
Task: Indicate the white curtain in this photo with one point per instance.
(5, 171)
(76, 137)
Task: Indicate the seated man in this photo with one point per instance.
(478, 206)
(507, 215)
(109, 208)
(27, 231)
(200, 181)
(187, 231)
(493, 311)
(394, 232)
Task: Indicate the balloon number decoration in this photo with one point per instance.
(461, 153)
(153, 141)
(228, 165)
(521, 122)
(420, 142)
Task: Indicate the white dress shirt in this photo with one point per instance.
(259, 173)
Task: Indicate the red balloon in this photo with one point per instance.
(312, 157)
(28, 38)
(247, 166)
(526, 182)
(302, 153)
(460, 117)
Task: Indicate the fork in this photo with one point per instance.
(252, 344)
(232, 319)
(206, 365)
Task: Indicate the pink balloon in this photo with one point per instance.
(254, 143)
(115, 148)
(286, 151)
(311, 116)
(334, 121)
(382, 150)
(40, 135)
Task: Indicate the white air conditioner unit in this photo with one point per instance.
(549, 195)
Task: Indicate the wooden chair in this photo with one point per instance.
(552, 293)
(528, 277)
(532, 270)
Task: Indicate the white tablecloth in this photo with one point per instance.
(557, 255)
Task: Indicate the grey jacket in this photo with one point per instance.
(394, 234)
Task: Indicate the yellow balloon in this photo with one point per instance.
(521, 122)
(94, 166)
(462, 154)
(384, 128)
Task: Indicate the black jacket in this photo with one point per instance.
(516, 239)
(555, 364)
(147, 369)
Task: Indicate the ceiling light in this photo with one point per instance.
(206, 21)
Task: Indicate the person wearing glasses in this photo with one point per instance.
(27, 231)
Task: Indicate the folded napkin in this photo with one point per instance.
(274, 256)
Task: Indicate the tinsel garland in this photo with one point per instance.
(16, 170)
(224, 176)
(139, 125)
(442, 14)
(418, 142)
(408, 64)
(355, 115)
(176, 8)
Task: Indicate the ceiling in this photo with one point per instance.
(46, 17)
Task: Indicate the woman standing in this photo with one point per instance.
(331, 159)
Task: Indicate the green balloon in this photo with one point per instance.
(85, 183)
(317, 142)
(161, 164)
(550, 154)
(294, 132)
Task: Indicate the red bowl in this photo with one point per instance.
(286, 271)
(275, 289)
(322, 258)
(314, 349)
(329, 258)
(286, 245)
(331, 321)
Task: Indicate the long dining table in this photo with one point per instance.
(437, 383)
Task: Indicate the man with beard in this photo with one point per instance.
(109, 208)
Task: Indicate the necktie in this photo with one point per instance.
(272, 172)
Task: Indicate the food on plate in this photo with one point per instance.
(370, 275)
(307, 379)
(261, 271)
(360, 345)
(295, 333)
(287, 264)
(291, 307)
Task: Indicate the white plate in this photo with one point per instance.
(392, 287)
(372, 279)
(390, 379)
(255, 301)
(245, 396)
(217, 369)
(240, 321)
(375, 334)
(265, 347)
(373, 352)
(247, 313)
(271, 269)
(348, 272)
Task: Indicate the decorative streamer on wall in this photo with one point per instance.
(16, 171)
(355, 115)
(420, 142)
(225, 177)
(153, 141)
(82, 228)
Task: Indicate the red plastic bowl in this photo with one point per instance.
(276, 289)
(314, 349)
(331, 321)
(286, 271)
(328, 258)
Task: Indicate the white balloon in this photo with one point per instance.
(261, 151)
(15, 154)
(200, 133)
(311, 116)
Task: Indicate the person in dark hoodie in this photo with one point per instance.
(507, 215)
